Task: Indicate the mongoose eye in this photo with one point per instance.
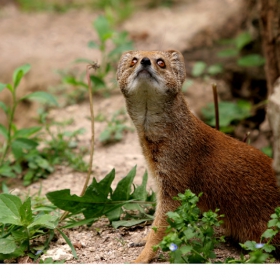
(133, 61)
(161, 63)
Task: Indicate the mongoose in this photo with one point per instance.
(184, 153)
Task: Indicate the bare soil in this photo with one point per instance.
(50, 41)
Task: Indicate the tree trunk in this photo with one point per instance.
(270, 29)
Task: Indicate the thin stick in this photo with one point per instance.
(214, 87)
(93, 66)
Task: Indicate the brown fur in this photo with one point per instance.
(184, 153)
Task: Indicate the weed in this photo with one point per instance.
(115, 127)
(107, 68)
(20, 150)
(190, 238)
(229, 113)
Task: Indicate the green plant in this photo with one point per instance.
(20, 143)
(20, 225)
(190, 238)
(120, 206)
(115, 10)
(115, 128)
(235, 47)
(229, 113)
(107, 68)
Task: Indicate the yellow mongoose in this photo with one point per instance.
(184, 153)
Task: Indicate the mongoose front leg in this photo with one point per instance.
(153, 238)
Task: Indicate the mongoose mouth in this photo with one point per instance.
(145, 73)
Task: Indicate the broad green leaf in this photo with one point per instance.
(7, 245)
(65, 201)
(4, 131)
(19, 251)
(20, 145)
(115, 214)
(26, 132)
(102, 26)
(242, 40)
(41, 96)
(98, 82)
(251, 60)
(7, 171)
(228, 112)
(140, 193)
(215, 69)
(47, 220)
(198, 68)
(73, 81)
(249, 245)
(123, 188)
(269, 233)
(9, 209)
(227, 53)
(26, 212)
(2, 86)
(99, 191)
(128, 223)
(10, 87)
(19, 73)
(4, 107)
(93, 45)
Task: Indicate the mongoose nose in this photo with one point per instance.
(145, 61)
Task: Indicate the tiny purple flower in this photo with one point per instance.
(259, 245)
(173, 247)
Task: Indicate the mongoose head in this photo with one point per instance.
(158, 72)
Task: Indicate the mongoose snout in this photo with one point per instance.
(183, 153)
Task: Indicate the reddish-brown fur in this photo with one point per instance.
(184, 153)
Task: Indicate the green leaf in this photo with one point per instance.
(128, 223)
(227, 53)
(251, 60)
(269, 233)
(68, 241)
(19, 73)
(26, 212)
(7, 171)
(98, 192)
(93, 45)
(73, 81)
(228, 112)
(198, 68)
(7, 245)
(26, 132)
(242, 40)
(47, 220)
(249, 245)
(41, 96)
(215, 69)
(123, 188)
(140, 193)
(2, 86)
(21, 144)
(102, 26)
(83, 60)
(4, 131)
(97, 81)
(9, 209)
(4, 107)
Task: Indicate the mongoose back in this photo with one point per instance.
(184, 153)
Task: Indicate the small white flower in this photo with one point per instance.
(259, 245)
(173, 247)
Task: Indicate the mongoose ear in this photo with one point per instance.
(177, 64)
(122, 63)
